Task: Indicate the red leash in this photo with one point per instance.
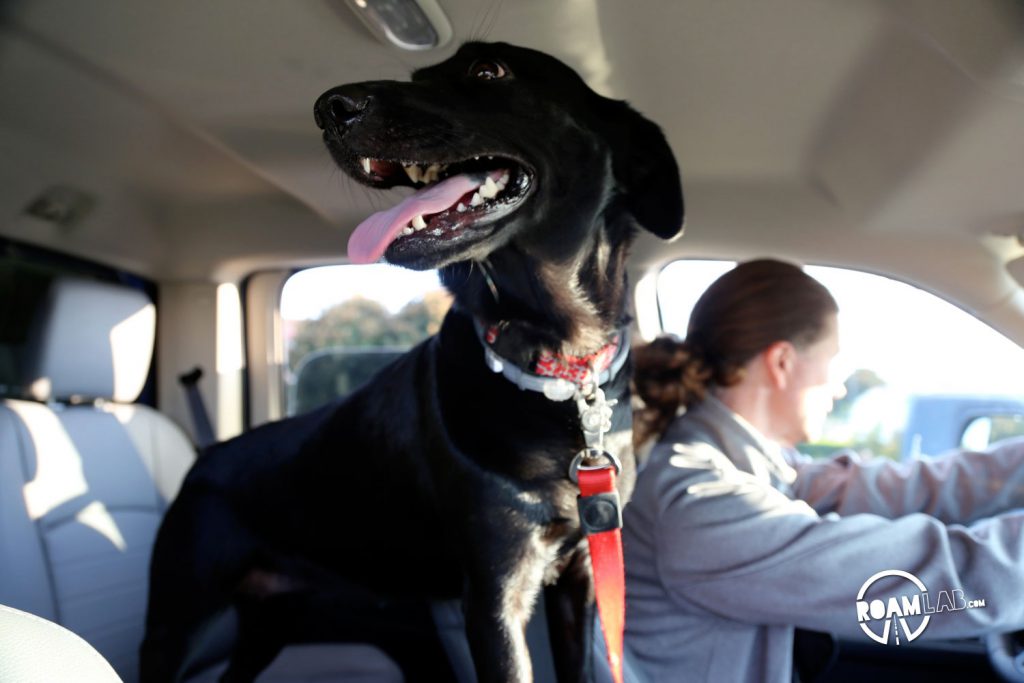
(601, 519)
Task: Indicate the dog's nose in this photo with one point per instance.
(339, 109)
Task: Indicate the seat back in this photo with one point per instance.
(85, 475)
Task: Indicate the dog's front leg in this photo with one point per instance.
(501, 588)
(570, 610)
(497, 641)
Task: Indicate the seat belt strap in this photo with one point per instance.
(200, 418)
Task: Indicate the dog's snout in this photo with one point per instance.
(339, 109)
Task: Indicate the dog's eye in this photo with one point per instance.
(487, 71)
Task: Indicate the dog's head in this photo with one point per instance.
(506, 146)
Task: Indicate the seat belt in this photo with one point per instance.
(196, 407)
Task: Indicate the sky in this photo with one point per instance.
(309, 292)
(915, 341)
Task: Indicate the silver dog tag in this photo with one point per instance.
(559, 390)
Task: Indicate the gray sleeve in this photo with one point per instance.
(960, 486)
(737, 548)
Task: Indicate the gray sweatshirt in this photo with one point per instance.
(730, 543)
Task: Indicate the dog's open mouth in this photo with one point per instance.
(455, 202)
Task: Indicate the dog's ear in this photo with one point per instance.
(644, 168)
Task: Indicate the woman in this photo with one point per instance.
(733, 540)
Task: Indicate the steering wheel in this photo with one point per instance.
(1006, 653)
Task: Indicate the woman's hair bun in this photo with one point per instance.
(667, 373)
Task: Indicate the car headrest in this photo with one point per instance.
(90, 340)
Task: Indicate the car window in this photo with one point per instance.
(922, 375)
(342, 324)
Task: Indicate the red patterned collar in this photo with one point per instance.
(606, 361)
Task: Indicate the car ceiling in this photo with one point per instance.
(881, 134)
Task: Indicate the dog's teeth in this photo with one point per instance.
(419, 223)
(413, 171)
(477, 200)
(504, 179)
(460, 207)
(489, 190)
(366, 165)
(407, 231)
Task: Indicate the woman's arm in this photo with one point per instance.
(735, 547)
(959, 487)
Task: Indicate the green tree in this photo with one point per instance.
(339, 345)
(361, 322)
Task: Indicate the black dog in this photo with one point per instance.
(440, 478)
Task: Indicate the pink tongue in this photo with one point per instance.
(372, 237)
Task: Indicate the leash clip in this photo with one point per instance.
(592, 455)
(595, 417)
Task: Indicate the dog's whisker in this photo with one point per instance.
(474, 32)
(483, 23)
(485, 265)
(350, 189)
(332, 180)
(374, 198)
(349, 192)
(396, 66)
(491, 18)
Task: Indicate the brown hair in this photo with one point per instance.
(742, 313)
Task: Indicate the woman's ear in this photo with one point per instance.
(779, 360)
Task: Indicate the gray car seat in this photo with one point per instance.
(86, 476)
